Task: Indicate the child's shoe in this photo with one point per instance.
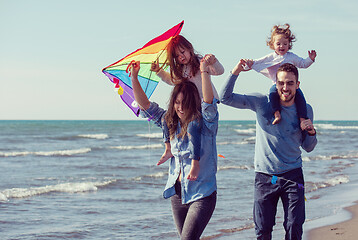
(277, 118)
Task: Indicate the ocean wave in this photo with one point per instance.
(328, 183)
(138, 147)
(245, 167)
(46, 153)
(330, 126)
(154, 175)
(233, 143)
(245, 131)
(250, 139)
(7, 194)
(150, 135)
(94, 136)
(330, 157)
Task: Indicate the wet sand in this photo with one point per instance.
(347, 230)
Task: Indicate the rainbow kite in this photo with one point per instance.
(154, 50)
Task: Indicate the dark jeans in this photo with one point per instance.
(266, 197)
(300, 102)
(192, 218)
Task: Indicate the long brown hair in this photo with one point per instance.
(191, 105)
(176, 69)
(283, 30)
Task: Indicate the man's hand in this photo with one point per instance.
(307, 125)
(240, 66)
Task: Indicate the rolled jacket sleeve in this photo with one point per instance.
(154, 113)
(210, 115)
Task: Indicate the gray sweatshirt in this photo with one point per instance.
(277, 148)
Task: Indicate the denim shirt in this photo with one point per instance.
(182, 150)
(194, 131)
(277, 148)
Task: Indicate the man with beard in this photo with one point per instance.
(278, 162)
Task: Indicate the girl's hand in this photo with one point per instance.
(312, 54)
(155, 67)
(247, 64)
(239, 67)
(210, 59)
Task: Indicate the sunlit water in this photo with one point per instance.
(98, 179)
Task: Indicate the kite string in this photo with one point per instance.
(150, 150)
(274, 179)
(149, 133)
(140, 106)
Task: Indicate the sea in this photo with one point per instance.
(99, 179)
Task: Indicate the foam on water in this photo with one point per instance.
(232, 143)
(330, 157)
(7, 194)
(150, 135)
(330, 126)
(94, 136)
(245, 131)
(138, 147)
(47, 153)
(154, 175)
(245, 167)
(331, 182)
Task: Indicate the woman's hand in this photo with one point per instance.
(139, 95)
(207, 89)
(207, 60)
(135, 66)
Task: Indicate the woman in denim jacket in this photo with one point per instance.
(193, 200)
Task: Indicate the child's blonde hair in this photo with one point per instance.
(283, 30)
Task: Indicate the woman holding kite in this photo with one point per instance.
(193, 201)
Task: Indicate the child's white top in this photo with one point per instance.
(269, 64)
(214, 69)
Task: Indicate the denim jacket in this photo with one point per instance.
(182, 150)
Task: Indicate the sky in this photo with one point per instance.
(52, 52)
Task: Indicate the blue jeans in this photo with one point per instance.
(266, 197)
(192, 218)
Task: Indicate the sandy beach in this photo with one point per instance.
(347, 230)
